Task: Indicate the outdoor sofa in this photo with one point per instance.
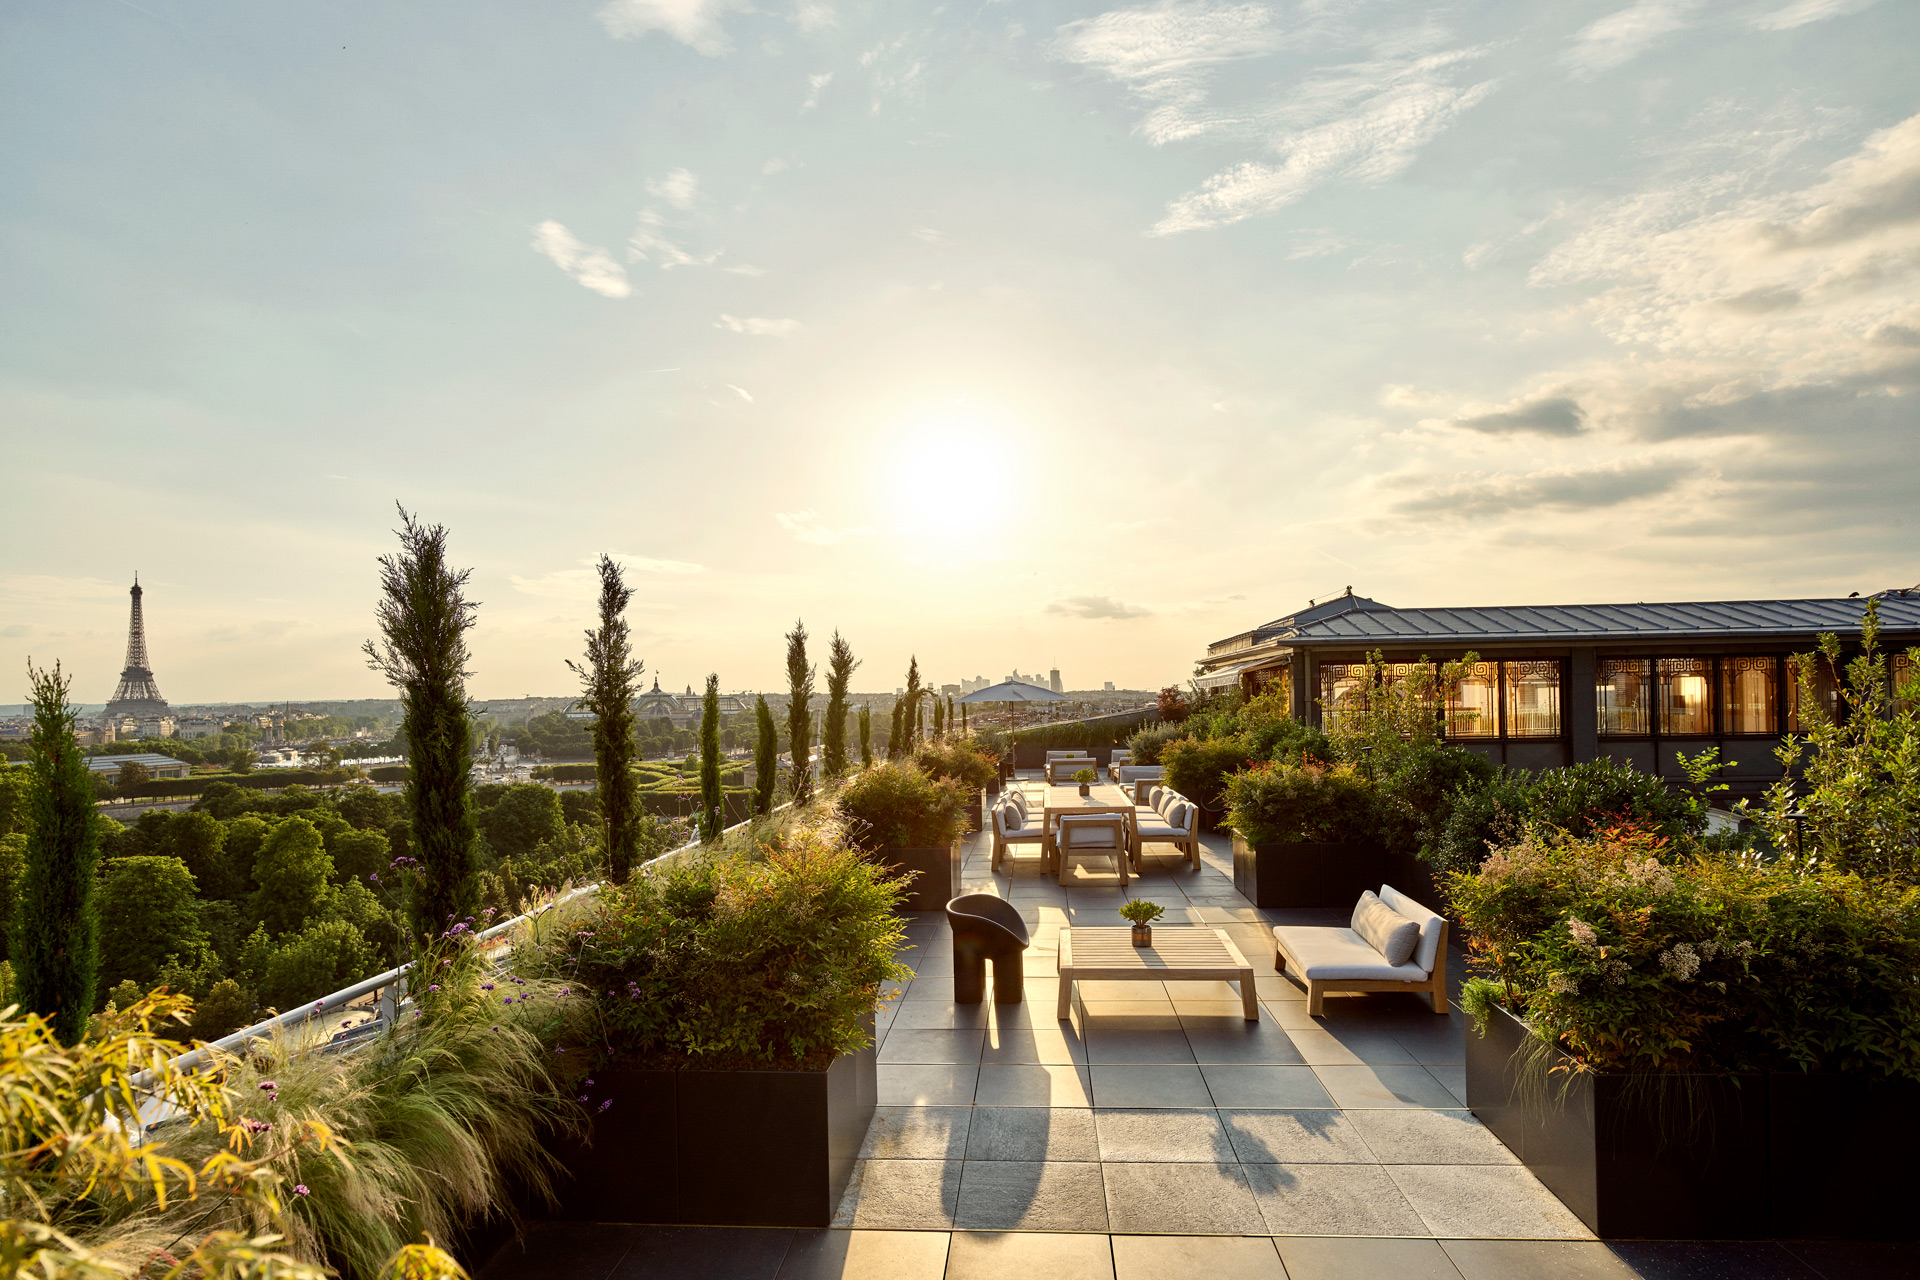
(1392, 944)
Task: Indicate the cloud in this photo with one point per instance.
(805, 526)
(893, 71)
(1802, 12)
(15, 631)
(930, 235)
(815, 85)
(1623, 36)
(1168, 54)
(1563, 490)
(1377, 139)
(814, 16)
(651, 241)
(780, 164)
(1097, 607)
(696, 23)
(744, 269)
(651, 564)
(1548, 416)
(592, 267)
(679, 188)
(757, 326)
(741, 392)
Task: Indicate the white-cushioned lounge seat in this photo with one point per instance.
(1340, 959)
(1059, 771)
(1092, 835)
(1011, 826)
(1179, 826)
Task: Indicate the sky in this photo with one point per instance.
(1000, 334)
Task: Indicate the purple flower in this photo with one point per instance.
(319, 1005)
(433, 986)
(508, 1000)
(268, 1085)
(566, 991)
(606, 1104)
(589, 1083)
(486, 986)
(496, 1028)
(300, 1188)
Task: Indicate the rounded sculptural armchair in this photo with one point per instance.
(986, 928)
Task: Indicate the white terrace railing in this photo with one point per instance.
(389, 988)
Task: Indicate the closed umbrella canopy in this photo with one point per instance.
(1014, 691)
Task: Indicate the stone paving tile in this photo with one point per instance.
(1534, 1259)
(926, 1086)
(1715, 1260)
(1027, 1043)
(1231, 1040)
(929, 1045)
(1389, 1086)
(1032, 1133)
(1150, 1136)
(1320, 1047)
(865, 1255)
(930, 988)
(917, 1133)
(1360, 1258)
(1458, 1200)
(1454, 1076)
(1034, 1085)
(935, 1015)
(1332, 1200)
(979, 1255)
(1410, 1135)
(1020, 1195)
(1158, 1086)
(1201, 1199)
(907, 1194)
(1260, 1086)
(705, 1253)
(1320, 1135)
(1111, 1047)
(1182, 1257)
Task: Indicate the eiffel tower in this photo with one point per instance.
(138, 696)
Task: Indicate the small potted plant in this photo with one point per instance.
(1085, 778)
(1143, 914)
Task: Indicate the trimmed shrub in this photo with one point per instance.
(1199, 770)
(895, 805)
(1146, 743)
(1279, 802)
(960, 759)
(747, 962)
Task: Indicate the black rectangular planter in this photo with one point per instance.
(938, 881)
(1635, 1156)
(1840, 1156)
(729, 1148)
(1306, 875)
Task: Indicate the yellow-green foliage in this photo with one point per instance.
(88, 1193)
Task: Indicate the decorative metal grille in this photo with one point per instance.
(1623, 697)
(1826, 695)
(1533, 698)
(1906, 694)
(1686, 696)
(1342, 689)
(1472, 703)
(1748, 701)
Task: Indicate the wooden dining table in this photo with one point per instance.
(1065, 798)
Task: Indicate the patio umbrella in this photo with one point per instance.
(1013, 693)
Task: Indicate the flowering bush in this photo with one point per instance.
(1633, 954)
(1307, 803)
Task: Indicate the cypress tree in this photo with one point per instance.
(766, 761)
(939, 723)
(963, 720)
(866, 735)
(609, 678)
(910, 719)
(800, 711)
(713, 818)
(949, 713)
(833, 733)
(896, 734)
(424, 619)
(55, 937)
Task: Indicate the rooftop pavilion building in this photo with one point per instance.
(1559, 684)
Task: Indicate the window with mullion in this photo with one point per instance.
(1686, 697)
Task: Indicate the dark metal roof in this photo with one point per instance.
(1723, 619)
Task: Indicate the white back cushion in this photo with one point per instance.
(1430, 924)
(1180, 816)
(1385, 930)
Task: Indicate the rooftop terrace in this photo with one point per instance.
(1157, 1133)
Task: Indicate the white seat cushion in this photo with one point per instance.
(1090, 832)
(1337, 955)
(1387, 931)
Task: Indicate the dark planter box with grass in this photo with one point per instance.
(1306, 875)
(938, 878)
(1700, 1157)
(726, 1148)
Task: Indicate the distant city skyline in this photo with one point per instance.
(987, 334)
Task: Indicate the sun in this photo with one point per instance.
(949, 481)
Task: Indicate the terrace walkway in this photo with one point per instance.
(1159, 1135)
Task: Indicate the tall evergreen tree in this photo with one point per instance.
(424, 619)
(800, 712)
(939, 720)
(833, 732)
(713, 819)
(909, 721)
(963, 720)
(866, 735)
(55, 937)
(609, 679)
(896, 734)
(949, 713)
(766, 756)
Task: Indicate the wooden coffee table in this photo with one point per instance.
(1192, 953)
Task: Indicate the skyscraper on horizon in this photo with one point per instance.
(138, 695)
